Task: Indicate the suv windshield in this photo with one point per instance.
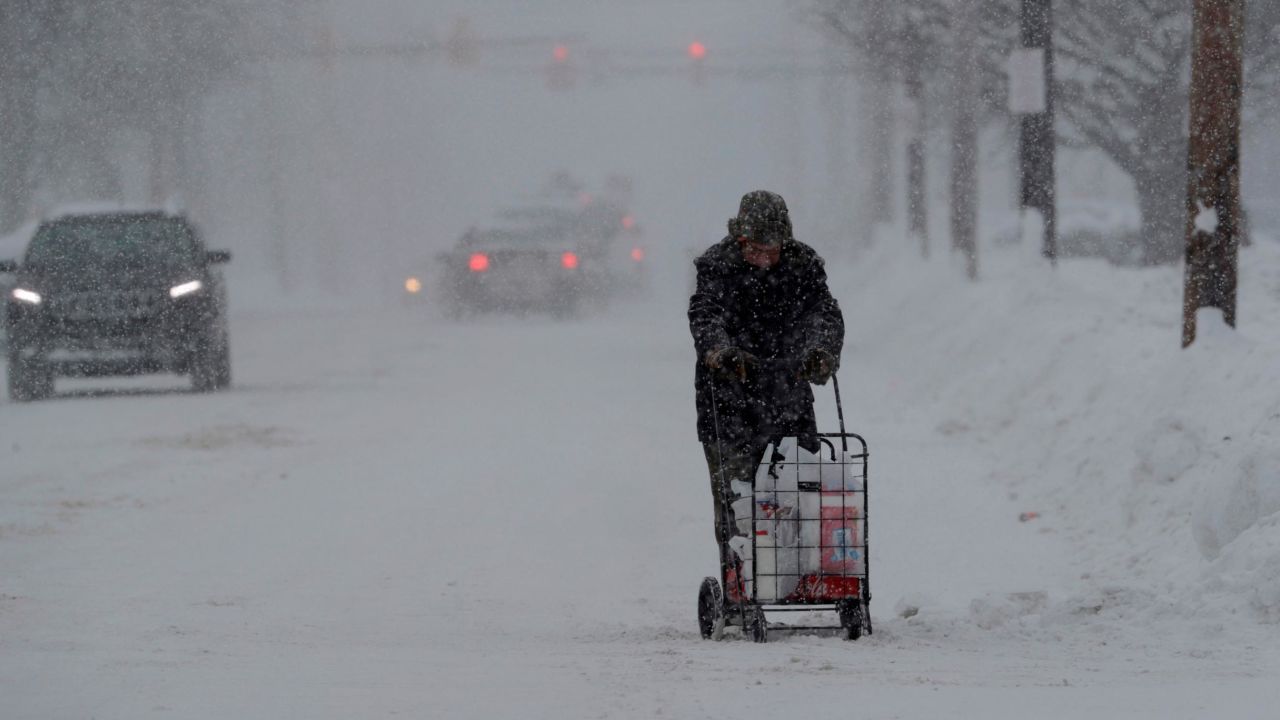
(113, 242)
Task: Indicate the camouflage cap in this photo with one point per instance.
(762, 217)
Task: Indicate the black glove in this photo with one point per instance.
(732, 362)
(818, 366)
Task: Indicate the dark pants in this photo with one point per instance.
(735, 464)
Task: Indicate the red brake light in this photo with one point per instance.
(479, 262)
(569, 260)
(637, 254)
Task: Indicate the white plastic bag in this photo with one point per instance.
(781, 515)
(798, 480)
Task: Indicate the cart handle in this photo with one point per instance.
(844, 441)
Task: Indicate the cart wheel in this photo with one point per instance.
(710, 609)
(851, 618)
(757, 625)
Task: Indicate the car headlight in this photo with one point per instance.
(186, 288)
(27, 296)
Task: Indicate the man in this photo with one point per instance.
(765, 326)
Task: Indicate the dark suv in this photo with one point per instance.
(116, 294)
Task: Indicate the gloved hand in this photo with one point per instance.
(818, 366)
(732, 362)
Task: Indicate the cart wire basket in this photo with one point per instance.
(802, 541)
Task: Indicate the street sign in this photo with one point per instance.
(1027, 88)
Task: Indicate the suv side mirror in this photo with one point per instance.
(216, 257)
(8, 266)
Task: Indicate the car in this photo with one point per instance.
(557, 250)
(513, 270)
(625, 251)
(11, 248)
(116, 293)
(606, 237)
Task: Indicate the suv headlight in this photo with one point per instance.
(27, 296)
(186, 288)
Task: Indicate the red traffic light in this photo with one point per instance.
(697, 50)
(561, 53)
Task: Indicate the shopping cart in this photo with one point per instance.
(802, 545)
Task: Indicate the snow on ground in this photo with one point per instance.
(391, 515)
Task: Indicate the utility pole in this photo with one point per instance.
(795, 134)
(917, 184)
(964, 143)
(877, 123)
(1213, 161)
(1032, 67)
(279, 253)
(878, 115)
(833, 93)
(330, 245)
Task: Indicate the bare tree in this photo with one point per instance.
(947, 56)
(1125, 86)
(28, 30)
(1123, 83)
(74, 76)
(867, 27)
(1123, 90)
(146, 65)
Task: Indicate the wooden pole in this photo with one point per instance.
(1213, 162)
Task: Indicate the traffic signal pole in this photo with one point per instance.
(1037, 149)
(1213, 161)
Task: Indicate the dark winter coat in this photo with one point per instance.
(777, 314)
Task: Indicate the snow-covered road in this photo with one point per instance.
(391, 515)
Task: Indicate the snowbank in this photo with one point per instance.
(1159, 467)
